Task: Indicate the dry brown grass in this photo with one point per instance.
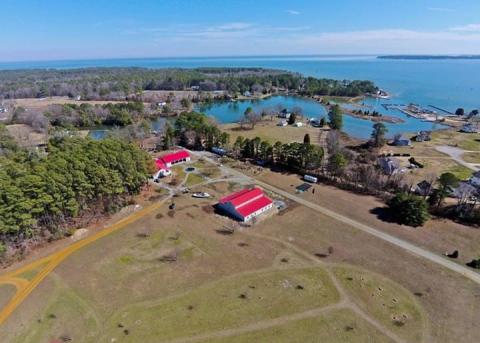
(451, 302)
(42, 104)
(472, 157)
(122, 273)
(269, 131)
(26, 136)
(438, 235)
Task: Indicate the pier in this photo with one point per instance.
(441, 109)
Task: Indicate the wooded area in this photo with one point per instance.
(41, 194)
(119, 83)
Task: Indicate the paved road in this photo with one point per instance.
(411, 248)
(438, 259)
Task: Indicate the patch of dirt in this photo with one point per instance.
(79, 234)
(208, 209)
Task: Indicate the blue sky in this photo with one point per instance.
(68, 29)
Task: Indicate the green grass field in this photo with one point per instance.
(194, 179)
(461, 172)
(472, 157)
(335, 326)
(6, 292)
(388, 303)
(228, 303)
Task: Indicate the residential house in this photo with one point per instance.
(423, 136)
(401, 140)
(284, 114)
(475, 179)
(423, 188)
(469, 128)
(389, 165)
(464, 191)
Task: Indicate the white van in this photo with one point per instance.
(310, 178)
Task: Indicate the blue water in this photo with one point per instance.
(103, 132)
(227, 112)
(447, 84)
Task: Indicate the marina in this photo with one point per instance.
(227, 112)
(415, 111)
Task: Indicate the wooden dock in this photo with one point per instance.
(441, 109)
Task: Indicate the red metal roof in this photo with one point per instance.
(160, 165)
(254, 206)
(247, 201)
(241, 197)
(175, 156)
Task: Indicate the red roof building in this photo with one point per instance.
(160, 165)
(176, 157)
(246, 204)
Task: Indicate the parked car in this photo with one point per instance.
(310, 178)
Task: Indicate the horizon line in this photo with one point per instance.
(200, 57)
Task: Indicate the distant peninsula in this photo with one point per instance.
(430, 57)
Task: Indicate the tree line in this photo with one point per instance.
(299, 157)
(42, 195)
(86, 115)
(120, 83)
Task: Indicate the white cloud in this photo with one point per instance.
(440, 9)
(467, 28)
(292, 12)
(236, 26)
(244, 38)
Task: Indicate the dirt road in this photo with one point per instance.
(25, 287)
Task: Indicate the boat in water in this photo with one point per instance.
(380, 94)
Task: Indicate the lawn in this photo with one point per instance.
(65, 307)
(466, 141)
(336, 326)
(472, 157)
(435, 163)
(179, 174)
(461, 172)
(269, 131)
(194, 179)
(229, 303)
(393, 306)
(6, 293)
